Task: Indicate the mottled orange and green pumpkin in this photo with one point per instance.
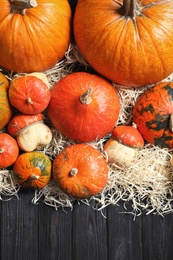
(32, 170)
(5, 107)
(80, 171)
(153, 115)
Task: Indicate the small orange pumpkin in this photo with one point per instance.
(153, 115)
(9, 150)
(29, 94)
(34, 34)
(5, 107)
(32, 170)
(80, 170)
(126, 41)
(84, 106)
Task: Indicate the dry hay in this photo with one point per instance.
(147, 184)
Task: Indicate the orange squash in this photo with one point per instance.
(32, 170)
(9, 150)
(80, 170)
(123, 146)
(5, 107)
(128, 41)
(29, 94)
(153, 115)
(34, 34)
(84, 107)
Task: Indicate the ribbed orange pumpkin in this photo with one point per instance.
(128, 41)
(80, 170)
(29, 94)
(5, 107)
(32, 170)
(34, 34)
(84, 107)
(9, 150)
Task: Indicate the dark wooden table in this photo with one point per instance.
(39, 232)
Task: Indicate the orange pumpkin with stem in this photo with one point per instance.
(5, 106)
(29, 94)
(84, 106)
(34, 34)
(128, 41)
(80, 170)
(9, 150)
(32, 170)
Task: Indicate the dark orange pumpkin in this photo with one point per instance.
(9, 150)
(34, 34)
(128, 41)
(80, 170)
(84, 106)
(32, 170)
(5, 107)
(29, 94)
(153, 115)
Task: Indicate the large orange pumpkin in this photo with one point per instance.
(153, 115)
(80, 170)
(5, 107)
(84, 106)
(34, 34)
(128, 41)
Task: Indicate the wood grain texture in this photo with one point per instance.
(39, 232)
(89, 233)
(19, 229)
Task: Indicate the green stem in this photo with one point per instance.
(20, 6)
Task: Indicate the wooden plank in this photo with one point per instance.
(124, 235)
(158, 237)
(19, 228)
(89, 233)
(55, 233)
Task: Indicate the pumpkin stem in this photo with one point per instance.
(34, 177)
(20, 6)
(2, 149)
(86, 99)
(73, 171)
(29, 100)
(130, 8)
(171, 123)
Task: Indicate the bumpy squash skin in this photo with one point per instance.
(131, 51)
(37, 39)
(92, 173)
(5, 106)
(32, 170)
(152, 113)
